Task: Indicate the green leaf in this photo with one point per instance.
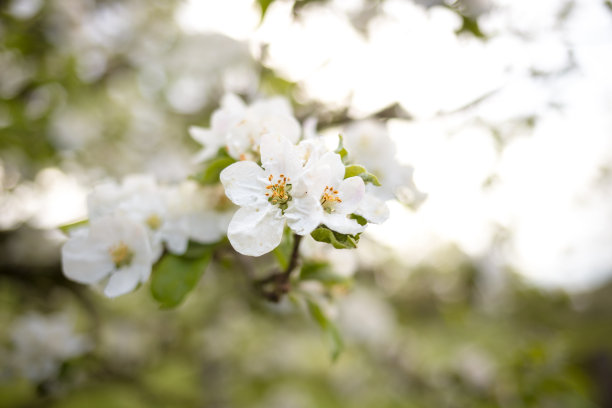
(470, 25)
(353, 170)
(283, 251)
(211, 174)
(333, 334)
(338, 240)
(357, 170)
(321, 272)
(360, 220)
(66, 228)
(263, 6)
(175, 276)
(341, 150)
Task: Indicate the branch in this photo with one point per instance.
(278, 284)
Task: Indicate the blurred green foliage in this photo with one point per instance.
(450, 344)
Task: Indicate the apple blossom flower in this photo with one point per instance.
(269, 197)
(338, 197)
(239, 127)
(114, 247)
(142, 200)
(41, 343)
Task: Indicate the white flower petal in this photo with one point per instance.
(277, 105)
(284, 125)
(207, 138)
(255, 231)
(351, 191)
(176, 240)
(304, 215)
(280, 156)
(336, 167)
(85, 262)
(123, 281)
(232, 102)
(244, 183)
(341, 223)
(327, 171)
(373, 209)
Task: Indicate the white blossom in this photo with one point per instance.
(142, 200)
(116, 248)
(269, 197)
(337, 197)
(239, 128)
(368, 144)
(199, 213)
(41, 343)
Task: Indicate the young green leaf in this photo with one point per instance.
(360, 220)
(329, 328)
(66, 228)
(338, 240)
(263, 6)
(175, 276)
(357, 170)
(210, 175)
(341, 150)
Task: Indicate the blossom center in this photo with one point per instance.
(279, 193)
(121, 254)
(329, 198)
(154, 221)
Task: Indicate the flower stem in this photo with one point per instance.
(278, 284)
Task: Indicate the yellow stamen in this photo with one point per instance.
(154, 221)
(121, 254)
(278, 193)
(329, 198)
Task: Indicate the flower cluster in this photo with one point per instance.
(283, 179)
(130, 225)
(302, 191)
(239, 128)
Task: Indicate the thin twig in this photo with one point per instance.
(278, 284)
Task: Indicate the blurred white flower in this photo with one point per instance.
(41, 343)
(239, 127)
(368, 143)
(114, 247)
(269, 197)
(140, 199)
(199, 213)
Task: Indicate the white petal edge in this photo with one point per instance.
(244, 183)
(342, 224)
(85, 262)
(351, 191)
(373, 209)
(280, 156)
(123, 281)
(254, 231)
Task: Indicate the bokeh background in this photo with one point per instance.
(495, 291)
